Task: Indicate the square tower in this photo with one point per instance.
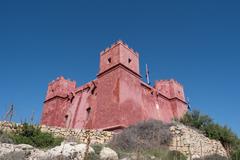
(119, 54)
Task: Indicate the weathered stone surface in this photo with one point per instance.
(68, 151)
(19, 152)
(108, 154)
(193, 143)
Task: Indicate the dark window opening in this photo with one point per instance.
(66, 117)
(88, 110)
(109, 60)
(129, 60)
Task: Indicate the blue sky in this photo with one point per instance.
(195, 42)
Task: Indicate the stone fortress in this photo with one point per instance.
(117, 98)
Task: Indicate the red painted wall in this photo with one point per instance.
(116, 99)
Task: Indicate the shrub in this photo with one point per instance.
(5, 138)
(29, 134)
(144, 135)
(97, 148)
(163, 153)
(213, 157)
(196, 119)
(229, 140)
(236, 154)
(92, 156)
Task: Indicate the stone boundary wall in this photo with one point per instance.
(79, 135)
(193, 143)
(188, 141)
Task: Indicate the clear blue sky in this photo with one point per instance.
(194, 42)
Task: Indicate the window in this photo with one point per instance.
(66, 117)
(129, 60)
(88, 112)
(109, 60)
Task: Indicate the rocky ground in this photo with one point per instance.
(67, 151)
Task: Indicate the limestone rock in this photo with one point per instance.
(108, 154)
(18, 152)
(68, 151)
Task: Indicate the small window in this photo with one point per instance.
(66, 117)
(88, 110)
(109, 60)
(129, 60)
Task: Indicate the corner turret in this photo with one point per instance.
(60, 88)
(170, 89)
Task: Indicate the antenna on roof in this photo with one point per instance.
(147, 74)
(9, 114)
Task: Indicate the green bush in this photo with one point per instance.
(225, 135)
(236, 154)
(196, 119)
(29, 134)
(97, 148)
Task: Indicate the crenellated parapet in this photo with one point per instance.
(170, 89)
(119, 54)
(119, 42)
(60, 87)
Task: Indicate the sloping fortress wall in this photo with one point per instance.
(115, 99)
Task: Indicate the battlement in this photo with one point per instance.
(119, 54)
(60, 87)
(170, 88)
(120, 42)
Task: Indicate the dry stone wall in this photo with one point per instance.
(184, 139)
(79, 135)
(194, 144)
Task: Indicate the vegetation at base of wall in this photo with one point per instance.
(144, 141)
(92, 156)
(212, 157)
(235, 155)
(32, 135)
(97, 148)
(224, 134)
(144, 135)
(5, 138)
